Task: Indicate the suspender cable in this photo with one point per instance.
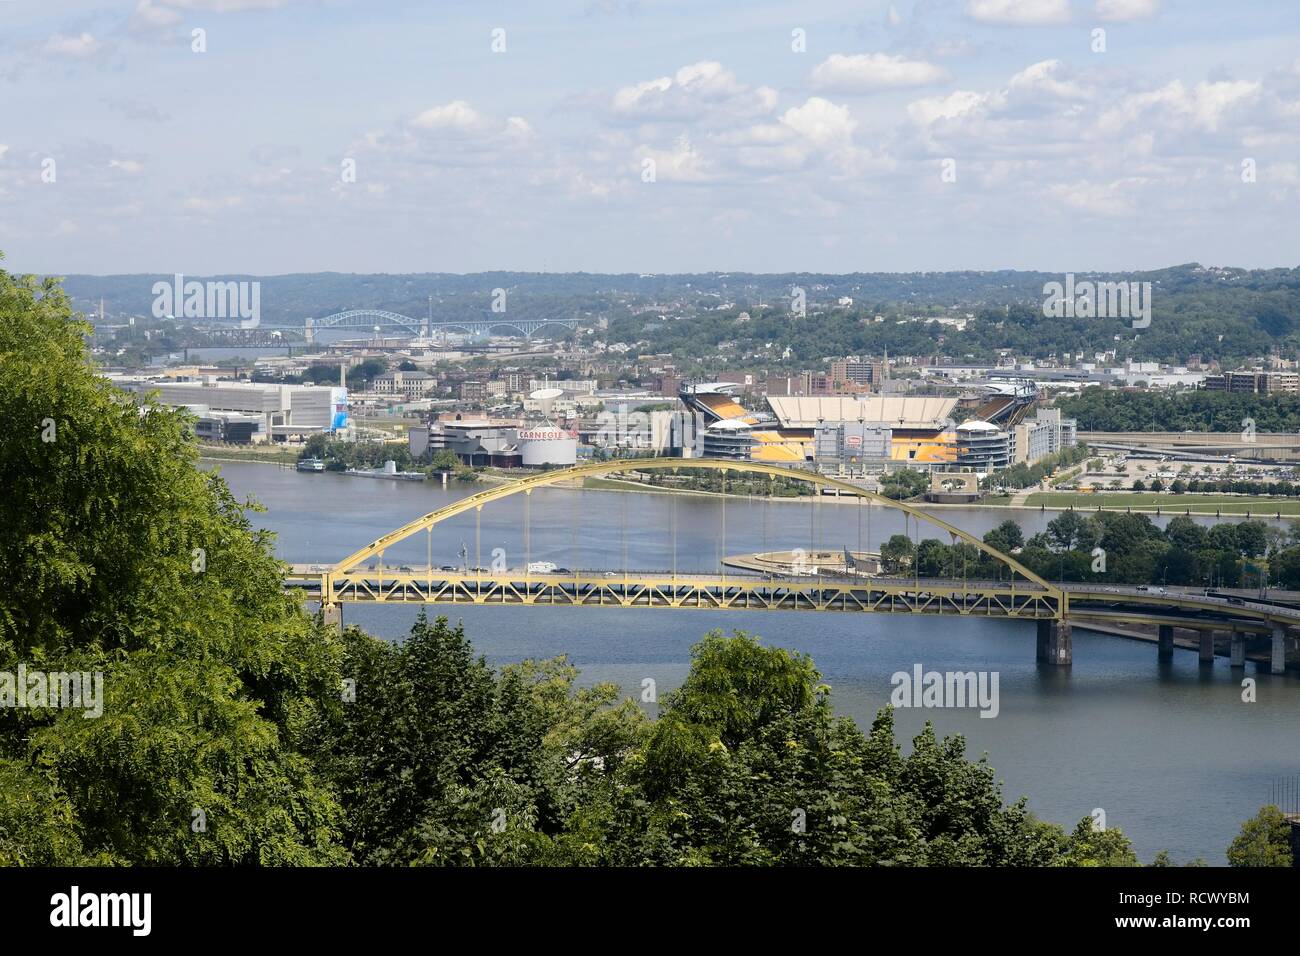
(723, 545)
(672, 520)
(767, 504)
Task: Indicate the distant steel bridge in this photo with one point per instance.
(369, 320)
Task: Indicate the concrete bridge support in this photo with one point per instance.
(1207, 647)
(332, 616)
(1277, 660)
(1238, 658)
(1055, 643)
(1166, 645)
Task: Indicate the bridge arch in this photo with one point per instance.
(364, 318)
(348, 318)
(547, 478)
(526, 328)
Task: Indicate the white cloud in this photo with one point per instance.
(1045, 77)
(147, 15)
(1205, 107)
(223, 6)
(157, 14)
(1100, 199)
(80, 45)
(1020, 12)
(207, 205)
(682, 164)
(704, 88)
(1212, 101)
(865, 72)
(821, 122)
(956, 105)
(457, 116)
(1124, 10)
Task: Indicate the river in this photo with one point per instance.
(1170, 751)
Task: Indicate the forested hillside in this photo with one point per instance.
(1228, 314)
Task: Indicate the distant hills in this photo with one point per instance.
(1213, 312)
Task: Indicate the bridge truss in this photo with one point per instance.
(367, 319)
(363, 577)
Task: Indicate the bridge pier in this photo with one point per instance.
(1277, 660)
(1165, 651)
(1207, 647)
(1055, 643)
(331, 615)
(1238, 652)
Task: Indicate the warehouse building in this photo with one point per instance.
(284, 410)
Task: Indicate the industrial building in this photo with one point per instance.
(1255, 382)
(283, 410)
(230, 427)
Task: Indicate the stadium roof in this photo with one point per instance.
(896, 411)
(705, 388)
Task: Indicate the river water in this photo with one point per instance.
(1170, 752)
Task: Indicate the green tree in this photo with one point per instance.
(1286, 568)
(897, 553)
(120, 556)
(1185, 533)
(749, 766)
(1090, 846)
(440, 760)
(1006, 537)
(1067, 531)
(934, 558)
(1264, 840)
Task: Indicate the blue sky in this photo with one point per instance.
(912, 135)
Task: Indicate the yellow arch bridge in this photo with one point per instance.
(364, 577)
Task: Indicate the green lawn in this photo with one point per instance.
(1168, 503)
(273, 454)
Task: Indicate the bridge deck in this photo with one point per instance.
(664, 589)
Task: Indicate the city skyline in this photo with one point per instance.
(836, 137)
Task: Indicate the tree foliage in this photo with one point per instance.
(120, 556)
(1264, 840)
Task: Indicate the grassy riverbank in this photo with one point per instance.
(1165, 503)
(271, 455)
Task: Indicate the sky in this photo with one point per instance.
(221, 137)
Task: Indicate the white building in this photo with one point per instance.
(284, 409)
(1044, 435)
(408, 385)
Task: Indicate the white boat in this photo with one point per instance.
(389, 471)
(311, 464)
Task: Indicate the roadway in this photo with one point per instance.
(1192, 607)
